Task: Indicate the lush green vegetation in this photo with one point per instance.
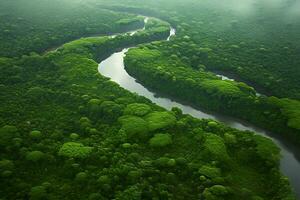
(256, 41)
(66, 132)
(157, 66)
(35, 26)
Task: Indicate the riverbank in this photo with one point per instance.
(75, 134)
(113, 67)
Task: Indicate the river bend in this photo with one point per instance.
(113, 68)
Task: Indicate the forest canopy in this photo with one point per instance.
(68, 132)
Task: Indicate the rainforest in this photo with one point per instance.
(150, 99)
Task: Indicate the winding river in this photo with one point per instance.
(113, 68)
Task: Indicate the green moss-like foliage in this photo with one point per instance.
(38, 193)
(222, 87)
(74, 136)
(134, 176)
(111, 109)
(266, 149)
(131, 193)
(7, 133)
(230, 139)
(216, 192)
(67, 80)
(85, 123)
(94, 105)
(160, 140)
(215, 147)
(291, 109)
(75, 150)
(138, 109)
(165, 162)
(81, 177)
(36, 135)
(36, 92)
(104, 180)
(95, 196)
(210, 171)
(136, 128)
(35, 156)
(212, 124)
(6, 165)
(160, 120)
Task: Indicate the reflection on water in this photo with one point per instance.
(113, 67)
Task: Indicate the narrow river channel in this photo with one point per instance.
(113, 68)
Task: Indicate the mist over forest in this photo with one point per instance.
(150, 99)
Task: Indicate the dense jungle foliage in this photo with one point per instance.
(35, 26)
(254, 40)
(67, 132)
(158, 67)
(214, 39)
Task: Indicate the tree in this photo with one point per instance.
(165, 162)
(215, 147)
(75, 150)
(130, 193)
(81, 177)
(35, 135)
(160, 140)
(216, 192)
(135, 128)
(6, 168)
(6, 165)
(74, 136)
(138, 109)
(210, 171)
(160, 120)
(7, 133)
(38, 193)
(111, 110)
(267, 150)
(134, 176)
(35, 156)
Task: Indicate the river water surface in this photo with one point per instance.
(113, 68)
